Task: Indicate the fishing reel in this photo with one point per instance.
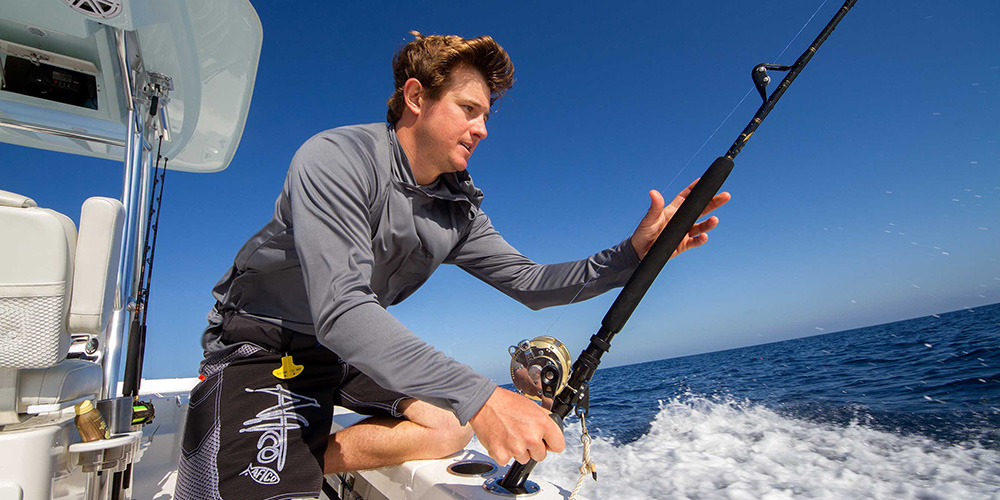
(540, 368)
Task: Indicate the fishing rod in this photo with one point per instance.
(576, 392)
(137, 330)
(142, 412)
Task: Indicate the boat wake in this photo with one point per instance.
(704, 449)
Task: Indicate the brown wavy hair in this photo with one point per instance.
(430, 59)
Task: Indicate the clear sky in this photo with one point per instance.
(870, 194)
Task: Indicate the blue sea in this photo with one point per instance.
(901, 410)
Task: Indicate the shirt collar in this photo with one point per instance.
(452, 186)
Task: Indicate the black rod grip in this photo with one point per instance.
(672, 235)
(518, 473)
(513, 481)
(140, 357)
(130, 384)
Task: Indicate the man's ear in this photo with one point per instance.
(413, 95)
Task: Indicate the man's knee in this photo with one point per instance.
(448, 435)
(449, 440)
(456, 438)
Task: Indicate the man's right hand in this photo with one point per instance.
(512, 426)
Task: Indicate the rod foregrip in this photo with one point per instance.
(672, 235)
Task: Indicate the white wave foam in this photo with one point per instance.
(700, 449)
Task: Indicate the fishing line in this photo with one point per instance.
(790, 42)
(800, 30)
(577, 391)
(711, 136)
(679, 172)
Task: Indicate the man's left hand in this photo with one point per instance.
(658, 215)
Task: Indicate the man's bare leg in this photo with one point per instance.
(428, 432)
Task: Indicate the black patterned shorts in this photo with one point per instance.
(252, 435)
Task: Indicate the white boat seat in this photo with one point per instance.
(8, 199)
(36, 277)
(96, 271)
(53, 283)
(66, 381)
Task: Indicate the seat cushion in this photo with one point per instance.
(36, 276)
(96, 269)
(65, 381)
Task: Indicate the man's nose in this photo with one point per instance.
(479, 127)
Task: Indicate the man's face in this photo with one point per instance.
(449, 128)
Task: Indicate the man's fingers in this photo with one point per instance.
(697, 241)
(500, 457)
(511, 426)
(655, 207)
(704, 226)
(684, 194)
(537, 452)
(690, 187)
(717, 201)
(554, 438)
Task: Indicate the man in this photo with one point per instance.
(366, 214)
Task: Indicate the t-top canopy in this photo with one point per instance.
(62, 86)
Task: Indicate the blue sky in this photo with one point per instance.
(870, 194)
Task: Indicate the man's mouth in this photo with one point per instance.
(466, 146)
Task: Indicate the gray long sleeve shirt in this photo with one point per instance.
(353, 233)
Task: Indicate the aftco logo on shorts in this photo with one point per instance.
(274, 423)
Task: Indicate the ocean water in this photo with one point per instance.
(902, 410)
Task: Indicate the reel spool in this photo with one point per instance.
(540, 368)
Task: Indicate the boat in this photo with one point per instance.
(131, 82)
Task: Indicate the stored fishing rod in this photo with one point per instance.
(157, 92)
(137, 330)
(143, 412)
(576, 392)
